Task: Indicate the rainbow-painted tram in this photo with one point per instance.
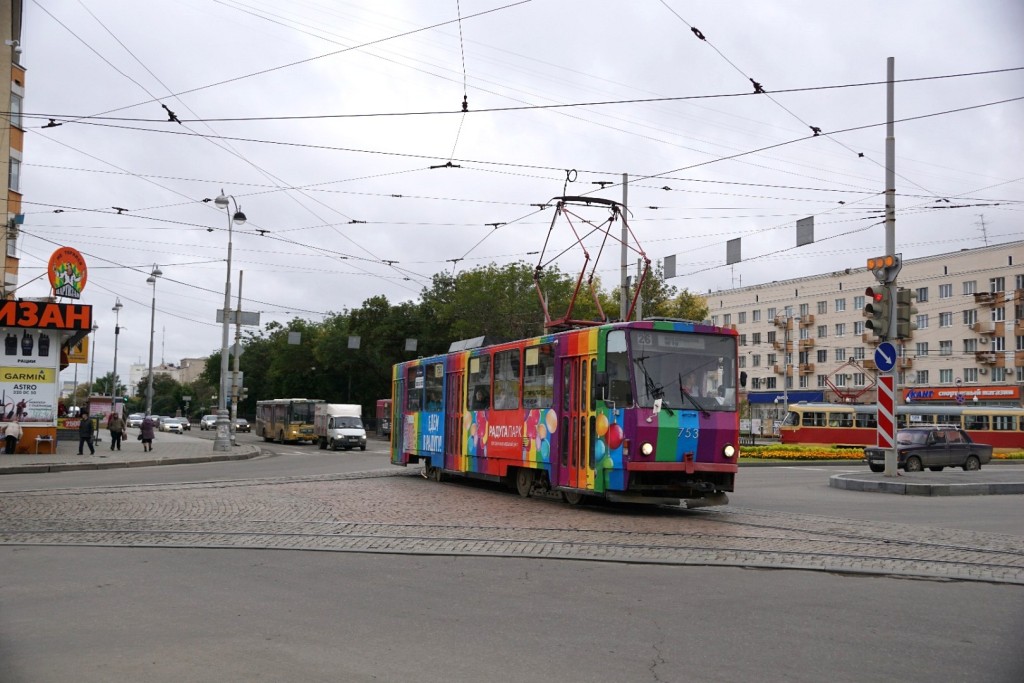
(634, 411)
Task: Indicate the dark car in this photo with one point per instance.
(242, 425)
(934, 447)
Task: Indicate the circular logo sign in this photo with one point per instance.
(67, 273)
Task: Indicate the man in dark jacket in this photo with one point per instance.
(85, 434)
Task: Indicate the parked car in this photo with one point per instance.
(242, 425)
(934, 447)
(208, 422)
(172, 425)
(135, 419)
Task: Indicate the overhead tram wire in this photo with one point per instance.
(323, 56)
(227, 147)
(77, 118)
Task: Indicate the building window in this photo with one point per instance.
(922, 321)
(970, 345)
(946, 319)
(999, 343)
(771, 314)
(970, 287)
(858, 352)
(921, 349)
(743, 361)
(822, 381)
(803, 381)
(741, 318)
(946, 376)
(921, 377)
(771, 337)
(756, 360)
(755, 338)
(840, 329)
(822, 307)
(998, 314)
(14, 175)
(1020, 343)
(805, 333)
(756, 316)
(16, 111)
(743, 340)
(773, 359)
(971, 375)
(769, 382)
(858, 327)
(727, 319)
(1020, 281)
(840, 354)
(997, 284)
(922, 294)
(822, 331)
(999, 374)
(945, 291)
(755, 383)
(840, 305)
(859, 379)
(946, 347)
(858, 303)
(970, 316)
(805, 310)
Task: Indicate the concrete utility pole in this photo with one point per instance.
(890, 218)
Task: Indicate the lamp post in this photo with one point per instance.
(223, 440)
(152, 326)
(92, 366)
(117, 332)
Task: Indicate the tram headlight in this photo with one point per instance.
(729, 450)
(647, 448)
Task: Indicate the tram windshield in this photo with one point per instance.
(685, 370)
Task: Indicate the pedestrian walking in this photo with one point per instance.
(85, 434)
(12, 435)
(116, 426)
(146, 433)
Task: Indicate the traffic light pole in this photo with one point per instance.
(890, 223)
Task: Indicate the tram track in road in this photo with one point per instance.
(398, 512)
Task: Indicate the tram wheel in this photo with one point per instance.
(524, 481)
(574, 498)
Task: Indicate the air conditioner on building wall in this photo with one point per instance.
(984, 340)
(982, 371)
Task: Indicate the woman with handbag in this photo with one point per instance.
(147, 432)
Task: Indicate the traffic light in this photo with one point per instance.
(905, 312)
(885, 268)
(878, 310)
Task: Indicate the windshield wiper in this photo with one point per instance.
(654, 390)
(683, 393)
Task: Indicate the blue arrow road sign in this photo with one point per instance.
(885, 356)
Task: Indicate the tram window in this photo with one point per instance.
(480, 382)
(539, 378)
(434, 382)
(814, 419)
(840, 419)
(413, 388)
(975, 422)
(1004, 423)
(506, 380)
(867, 420)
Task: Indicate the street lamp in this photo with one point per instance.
(152, 325)
(92, 365)
(117, 332)
(223, 440)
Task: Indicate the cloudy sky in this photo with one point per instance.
(339, 128)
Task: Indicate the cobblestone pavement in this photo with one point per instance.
(398, 512)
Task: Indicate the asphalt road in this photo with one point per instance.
(181, 613)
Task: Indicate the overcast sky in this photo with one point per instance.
(323, 118)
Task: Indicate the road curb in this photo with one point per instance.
(857, 482)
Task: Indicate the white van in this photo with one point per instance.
(339, 425)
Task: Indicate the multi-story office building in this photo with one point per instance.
(805, 339)
(12, 137)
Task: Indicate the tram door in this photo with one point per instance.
(453, 402)
(576, 424)
(398, 422)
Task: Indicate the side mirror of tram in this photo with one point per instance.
(743, 378)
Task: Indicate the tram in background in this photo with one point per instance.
(635, 412)
(855, 425)
(286, 419)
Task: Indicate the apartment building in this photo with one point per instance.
(804, 339)
(12, 136)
